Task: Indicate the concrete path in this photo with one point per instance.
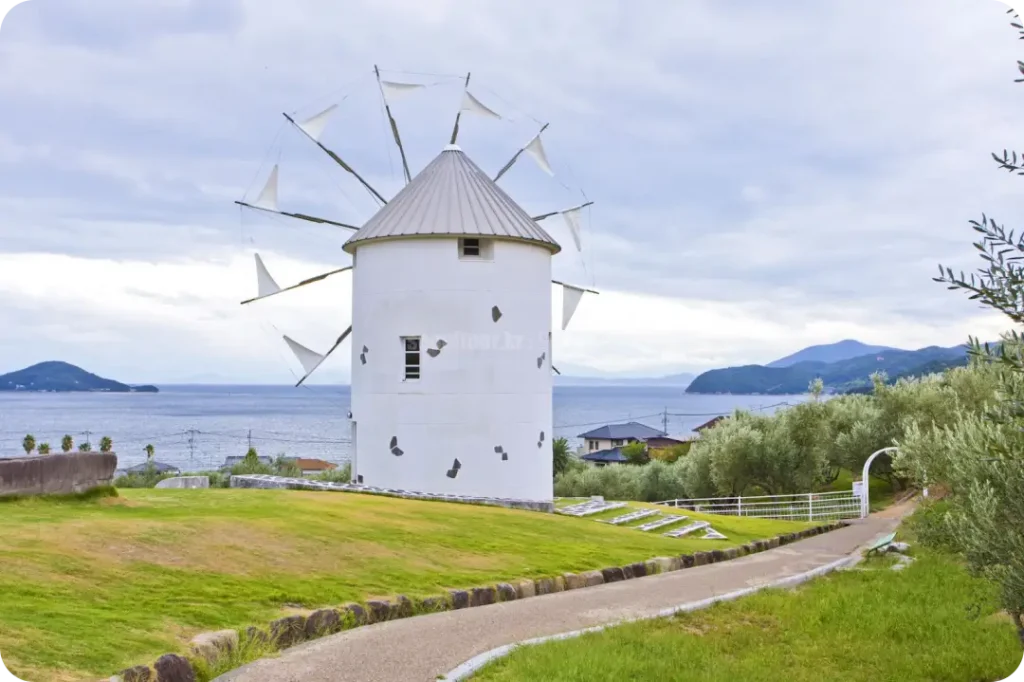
(420, 649)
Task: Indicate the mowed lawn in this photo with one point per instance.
(89, 587)
(930, 622)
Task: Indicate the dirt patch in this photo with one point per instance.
(900, 509)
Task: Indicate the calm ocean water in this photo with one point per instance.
(308, 422)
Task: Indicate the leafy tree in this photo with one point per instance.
(85, 447)
(66, 443)
(286, 466)
(985, 453)
(636, 453)
(560, 455)
(816, 388)
(106, 445)
(28, 444)
(149, 449)
(43, 449)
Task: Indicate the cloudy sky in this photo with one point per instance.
(765, 177)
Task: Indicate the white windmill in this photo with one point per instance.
(451, 324)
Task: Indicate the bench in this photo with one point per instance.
(881, 543)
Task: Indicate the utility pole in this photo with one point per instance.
(191, 444)
(250, 439)
(664, 421)
(88, 436)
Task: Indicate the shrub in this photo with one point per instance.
(66, 443)
(43, 449)
(636, 453)
(343, 474)
(28, 444)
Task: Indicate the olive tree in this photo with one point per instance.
(985, 453)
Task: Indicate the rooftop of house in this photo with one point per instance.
(158, 467)
(609, 455)
(708, 424)
(658, 441)
(634, 430)
(314, 464)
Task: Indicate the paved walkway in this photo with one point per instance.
(420, 649)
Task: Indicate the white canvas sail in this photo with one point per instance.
(314, 127)
(536, 150)
(570, 300)
(572, 219)
(267, 198)
(393, 90)
(266, 285)
(471, 103)
(309, 359)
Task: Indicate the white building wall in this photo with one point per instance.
(484, 388)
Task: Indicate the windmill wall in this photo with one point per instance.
(483, 396)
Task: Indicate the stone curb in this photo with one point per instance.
(473, 665)
(292, 630)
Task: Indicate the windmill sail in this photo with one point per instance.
(515, 157)
(570, 301)
(267, 198)
(536, 149)
(310, 359)
(268, 287)
(572, 219)
(316, 125)
(399, 87)
(471, 103)
(265, 283)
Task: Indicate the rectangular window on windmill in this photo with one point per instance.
(474, 248)
(412, 357)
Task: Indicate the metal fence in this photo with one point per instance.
(843, 504)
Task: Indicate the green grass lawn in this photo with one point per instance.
(930, 622)
(89, 587)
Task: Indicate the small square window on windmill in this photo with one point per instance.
(450, 228)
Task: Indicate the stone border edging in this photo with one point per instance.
(473, 665)
(268, 482)
(292, 630)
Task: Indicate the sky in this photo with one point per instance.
(765, 178)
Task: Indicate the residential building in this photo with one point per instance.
(616, 435)
(312, 467)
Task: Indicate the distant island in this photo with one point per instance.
(844, 367)
(62, 377)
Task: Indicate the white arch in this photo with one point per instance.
(864, 479)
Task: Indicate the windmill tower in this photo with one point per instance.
(451, 329)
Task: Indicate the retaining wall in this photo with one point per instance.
(60, 474)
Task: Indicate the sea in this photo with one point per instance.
(195, 427)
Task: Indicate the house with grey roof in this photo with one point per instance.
(604, 445)
(616, 435)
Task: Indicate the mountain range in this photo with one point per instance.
(843, 367)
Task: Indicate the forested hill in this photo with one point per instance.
(853, 374)
(62, 376)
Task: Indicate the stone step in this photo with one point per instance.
(590, 508)
(635, 515)
(663, 521)
(687, 529)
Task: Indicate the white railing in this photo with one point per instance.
(842, 504)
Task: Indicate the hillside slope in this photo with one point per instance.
(831, 352)
(853, 374)
(62, 377)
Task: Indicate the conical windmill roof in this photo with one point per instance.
(452, 197)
